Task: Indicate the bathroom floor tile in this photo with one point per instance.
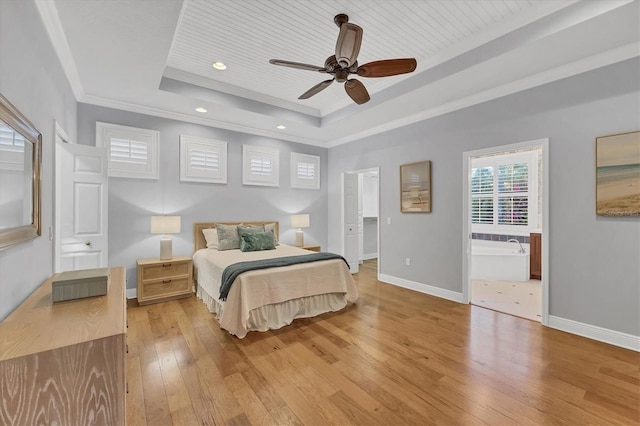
(522, 299)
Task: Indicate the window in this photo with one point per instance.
(504, 193)
(202, 160)
(260, 166)
(305, 171)
(131, 152)
(12, 156)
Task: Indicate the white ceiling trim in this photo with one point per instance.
(163, 113)
(207, 83)
(52, 24)
(629, 51)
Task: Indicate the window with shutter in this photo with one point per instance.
(504, 193)
(202, 160)
(260, 166)
(131, 152)
(305, 171)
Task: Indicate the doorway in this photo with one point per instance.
(506, 216)
(360, 214)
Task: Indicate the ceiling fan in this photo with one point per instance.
(344, 63)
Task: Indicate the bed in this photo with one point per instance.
(264, 299)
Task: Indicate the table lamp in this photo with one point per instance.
(299, 221)
(165, 225)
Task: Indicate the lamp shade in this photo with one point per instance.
(299, 220)
(165, 224)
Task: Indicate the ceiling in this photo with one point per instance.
(155, 57)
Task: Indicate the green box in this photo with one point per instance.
(71, 285)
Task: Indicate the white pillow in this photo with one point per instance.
(211, 236)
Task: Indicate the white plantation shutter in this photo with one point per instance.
(131, 152)
(513, 199)
(260, 166)
(502, 199)
(128, 151)
(305, 171)
(202, 160)
(10, 140)
(482, 195)
(482, 210)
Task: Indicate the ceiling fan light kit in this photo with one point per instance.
(344, 63)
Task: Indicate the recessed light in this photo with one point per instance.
(200, 109)
(281, 127)
(219, 66)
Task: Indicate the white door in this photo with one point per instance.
(81, 207)
(350, 219)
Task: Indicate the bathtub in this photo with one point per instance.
(499, 261)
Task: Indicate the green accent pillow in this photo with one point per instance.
(256, 241)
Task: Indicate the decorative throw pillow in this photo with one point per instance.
(252, 229)
(257, 241)
(211, 237)
(272, 227)
(228, 238)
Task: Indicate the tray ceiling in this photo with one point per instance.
(156, 57)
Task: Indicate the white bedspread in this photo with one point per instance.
(254, 290)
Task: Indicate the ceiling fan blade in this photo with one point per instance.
(356, 90)
(297, 65)
(387, 67)
(315, 89)
(348, 44)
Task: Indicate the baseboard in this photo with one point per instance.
(132, 293)
(623, 340)
(616, 338)
(422, 288)
(369, 256)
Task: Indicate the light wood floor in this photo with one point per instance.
(395, 357)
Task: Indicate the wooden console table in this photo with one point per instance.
(64, 363)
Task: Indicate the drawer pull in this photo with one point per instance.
(166, 265)
(166, 281)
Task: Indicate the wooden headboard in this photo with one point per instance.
(198, 237)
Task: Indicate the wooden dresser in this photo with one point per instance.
(64, 363)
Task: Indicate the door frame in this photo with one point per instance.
(342, 218)
(60, 134)
(466, 217)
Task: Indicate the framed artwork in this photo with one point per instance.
(618, 174)
(415, 187)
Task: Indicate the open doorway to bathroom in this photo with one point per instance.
(505, 222)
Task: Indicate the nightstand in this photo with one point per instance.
(311, 247)
(161, 280)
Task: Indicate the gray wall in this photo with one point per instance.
(31, 77)
(594, 269)
(132, 201)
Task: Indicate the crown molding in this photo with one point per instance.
(163, 113)
(622, 53)
(53, 26)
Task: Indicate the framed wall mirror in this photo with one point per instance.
(20, 159)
